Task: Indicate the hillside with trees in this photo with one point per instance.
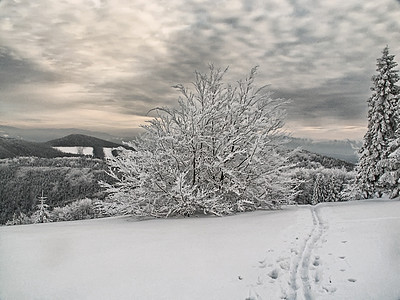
(10, 148)
(221, 150)
(63, 180)
(80, 140)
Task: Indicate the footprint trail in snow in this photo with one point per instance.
(298, 273)
(301, 283)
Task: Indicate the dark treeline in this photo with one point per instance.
(63, 180)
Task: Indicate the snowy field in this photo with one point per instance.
(332, 251)
(85, 150)
(76, 150)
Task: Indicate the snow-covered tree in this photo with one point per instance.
(42, 214)
(332, 191)
(218, 152)
(19, 219)
(390, 179)
(324, 185)
(318, 190)
(382, 126)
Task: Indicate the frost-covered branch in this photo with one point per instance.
(215, 153)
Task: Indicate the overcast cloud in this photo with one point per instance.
(102, 64)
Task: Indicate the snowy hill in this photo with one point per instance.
(71, 145)
(84, 145)
(332, 251)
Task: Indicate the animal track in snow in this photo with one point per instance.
(352, 280)
(262, 264)
(285, 265)
(329, 289)
(316, 261)
(274, 274)
(318, 276)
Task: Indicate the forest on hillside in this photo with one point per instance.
(73, 183)
(62, 180)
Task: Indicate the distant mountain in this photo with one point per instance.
(81, 140)
(10, 148)
(99, 148)
(343, 150)
(46, 134)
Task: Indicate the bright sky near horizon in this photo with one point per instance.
(102, 64)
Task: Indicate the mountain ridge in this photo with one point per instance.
(41, 135)
(340, 149)
(10, 148)
(81, 140)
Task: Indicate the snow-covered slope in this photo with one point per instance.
(333, 251)
(76, 150)
(85, 151)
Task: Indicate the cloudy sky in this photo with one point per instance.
(102, 64)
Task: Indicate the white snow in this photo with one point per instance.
(332, 251)
(108, 152)
(76, 150)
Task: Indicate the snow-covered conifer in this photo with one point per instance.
(217, 152)
(382, 126)
(318, 190)
(390, 179)
(42, 214)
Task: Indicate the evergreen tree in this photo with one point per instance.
(390, 180)
(318, 190)
(42, 214)
(382, 125)
(331, 189)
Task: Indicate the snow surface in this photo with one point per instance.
(76, 150)
(108, 152)
(331, 251)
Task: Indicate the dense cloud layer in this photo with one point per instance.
(103, 64)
